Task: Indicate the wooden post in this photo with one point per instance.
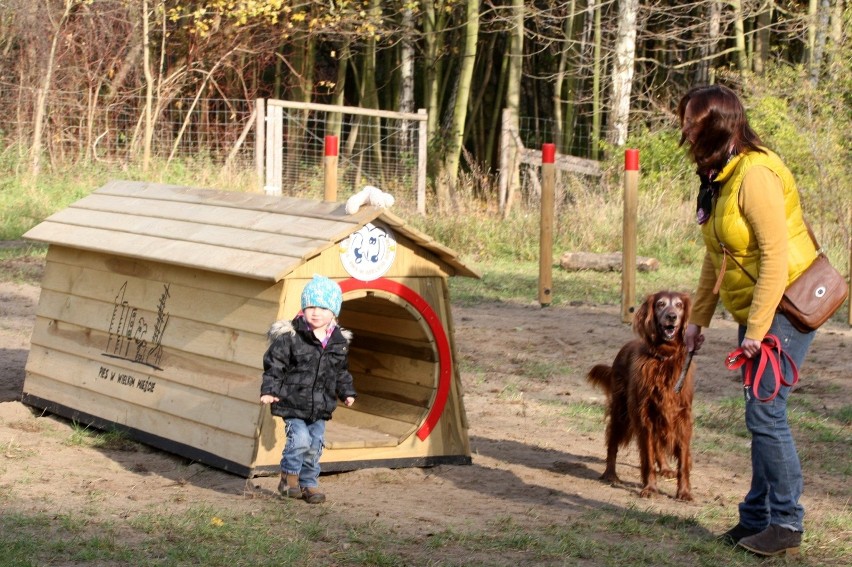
(260, 141)
(628, 253)
(548, 189)
(422, 143)
(503, 179)
(330, 168)
(274, 149)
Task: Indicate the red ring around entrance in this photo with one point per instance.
(434, 322)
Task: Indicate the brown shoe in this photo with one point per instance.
(288, 486)
(313, 496)
(774, 540)
(735, 534)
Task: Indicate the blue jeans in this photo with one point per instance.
(776, 481)
(303, 450)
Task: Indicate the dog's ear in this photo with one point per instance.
(643, 320)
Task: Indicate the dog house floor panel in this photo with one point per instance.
(339, 435)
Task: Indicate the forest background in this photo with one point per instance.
(92, 89)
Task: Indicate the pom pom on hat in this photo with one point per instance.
(322, 292)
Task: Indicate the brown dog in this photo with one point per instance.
(640, 387)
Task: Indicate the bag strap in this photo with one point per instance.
(728, 254)
(811, 234)
(770, 350)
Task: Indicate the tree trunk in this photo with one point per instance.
(370, 95)
(739, 36)
(820, 32)
(705, 69)
(559, 84)
(41, 96)
(836, 37)
(406, 72)
(596, 83)
(149, 89)
(761, 38)
(511, 179)
(455, 137)
(622, 72)
(433, 39)
(335, 126)
(496, 117)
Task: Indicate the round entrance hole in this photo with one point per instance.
(394, 360)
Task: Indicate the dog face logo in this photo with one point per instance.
(368, 253)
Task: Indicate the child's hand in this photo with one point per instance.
(349, 401)
(268, 399)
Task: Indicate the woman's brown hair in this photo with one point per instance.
(719, 126)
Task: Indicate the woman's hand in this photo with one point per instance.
(750, 347)
(693, 338)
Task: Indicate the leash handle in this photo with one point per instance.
(770, 349)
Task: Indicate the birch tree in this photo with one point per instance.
(149, 88)
(406, 69)
(44, 88)
(622, 72)
(510, 178)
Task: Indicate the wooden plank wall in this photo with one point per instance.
(167, 350)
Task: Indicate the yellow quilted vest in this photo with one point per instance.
(728, 225)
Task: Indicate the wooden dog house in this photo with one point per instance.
(156, 301)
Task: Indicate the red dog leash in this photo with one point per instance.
(770, 349)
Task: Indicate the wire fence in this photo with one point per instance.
(384, 149)
(221, 143)
(111, 132)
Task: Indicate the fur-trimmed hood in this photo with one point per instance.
(284, 326)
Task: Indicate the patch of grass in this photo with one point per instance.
(724, 417)
(22, 262)
(513, 281)
(110, 440)
(581, 417)
(14, 450)
(844, 415)
(545, 370)
(511, 393)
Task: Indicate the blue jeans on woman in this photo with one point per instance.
(776, 481)
(303, 450)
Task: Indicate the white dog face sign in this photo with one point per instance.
(368, 253)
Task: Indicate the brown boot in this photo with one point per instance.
(289, 486)
(312, 495)
(774, 540)
(735, 534)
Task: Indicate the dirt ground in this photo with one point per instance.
(520, 366)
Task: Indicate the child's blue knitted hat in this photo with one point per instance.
(322, 292)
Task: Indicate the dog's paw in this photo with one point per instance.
(648, 492)
(684, 495)
(610, 477)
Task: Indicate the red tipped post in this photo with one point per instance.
(548, 190)
(330, 168)
(628, 253)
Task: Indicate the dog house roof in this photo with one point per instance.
(244, 234)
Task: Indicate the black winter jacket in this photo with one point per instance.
(306, 378)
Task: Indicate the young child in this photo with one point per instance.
(305, 371)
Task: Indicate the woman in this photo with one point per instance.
(751, 221)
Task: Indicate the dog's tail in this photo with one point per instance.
(601, 376)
